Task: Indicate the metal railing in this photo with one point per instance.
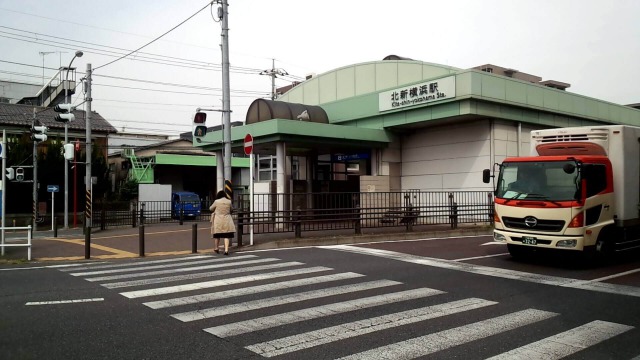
(335, 211)
(28, 244)
(304, 212)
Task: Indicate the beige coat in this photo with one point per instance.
(221, 219)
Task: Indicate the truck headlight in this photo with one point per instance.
(499, 237)
(567, 243)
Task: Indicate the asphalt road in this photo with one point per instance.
(435, 298)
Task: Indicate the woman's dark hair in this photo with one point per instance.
(220, 195)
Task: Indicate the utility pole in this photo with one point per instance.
(226, 91)
(35, 177)
(273, 72)
(87, 178)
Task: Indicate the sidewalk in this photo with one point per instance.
(175, 239)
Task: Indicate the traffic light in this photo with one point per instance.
(69, 151)
(199, 129)
(10, 173)
(65, 113)
(19, 174)
(39, 133)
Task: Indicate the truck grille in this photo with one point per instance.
(541, 225)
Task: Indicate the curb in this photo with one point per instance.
(360, 239)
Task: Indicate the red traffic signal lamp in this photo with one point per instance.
(199, 127)
(65, 113)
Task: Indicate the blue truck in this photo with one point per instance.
(185, 202)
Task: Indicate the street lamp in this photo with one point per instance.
(66, 140)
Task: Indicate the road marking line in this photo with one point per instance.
(495, 272)
(480, 257)
(151, 267)
(493, 243)
(63, 301)
(217, 273)
(250, 290)
(139, 262)
(566, 343)
(180, 270)
(432, 343)
(267, 322)
(221, 282)
(281, 300)
(95, 246)
(44, 267)
(613, 276)
(358, 328)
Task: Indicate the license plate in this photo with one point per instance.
(529, 240)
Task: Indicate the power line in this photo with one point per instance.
(154, 40)
(96, 27)
(175, 92)
(139, 80)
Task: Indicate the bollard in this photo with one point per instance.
(297, 224)
(181, 214)
(133, 217)
(103, 216)
(240, 228)
(142, 214)
(454, 216)
(141, 239)
(55, 227)
(194, 238)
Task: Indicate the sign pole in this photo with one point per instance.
(53, 208)
(251, 199)
(248, 150)
(4, 182)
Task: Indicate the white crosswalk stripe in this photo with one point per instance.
(281, 300)
(150, 267)
(221, 282)
(217, 273)
(270, 293)
(144, 262)
(446, 339)
(362, 327)
(183, 269)
(568, 342)
(315, 312)
(251, 290)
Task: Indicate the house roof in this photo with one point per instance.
(22, 115)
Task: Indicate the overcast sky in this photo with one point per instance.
(593, 45)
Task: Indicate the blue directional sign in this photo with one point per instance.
(53, 188)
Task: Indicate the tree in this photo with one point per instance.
(129, 190)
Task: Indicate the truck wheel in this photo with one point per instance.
(517, 251)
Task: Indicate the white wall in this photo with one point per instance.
(447, 158)
(452, 157)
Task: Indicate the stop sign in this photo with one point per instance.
(248, 144)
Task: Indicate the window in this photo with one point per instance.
(267, 167)
(596, 179)
(487, 69)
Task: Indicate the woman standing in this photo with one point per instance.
(222, 226)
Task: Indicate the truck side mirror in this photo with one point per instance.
(486, 176)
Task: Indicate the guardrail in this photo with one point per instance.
(29, 237)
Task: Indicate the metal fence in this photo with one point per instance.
(303, 212)
(332, 211)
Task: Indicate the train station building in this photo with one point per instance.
(404, 125)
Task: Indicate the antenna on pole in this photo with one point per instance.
(273, 72)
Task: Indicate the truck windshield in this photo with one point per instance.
(548, 180)
(190, 198)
